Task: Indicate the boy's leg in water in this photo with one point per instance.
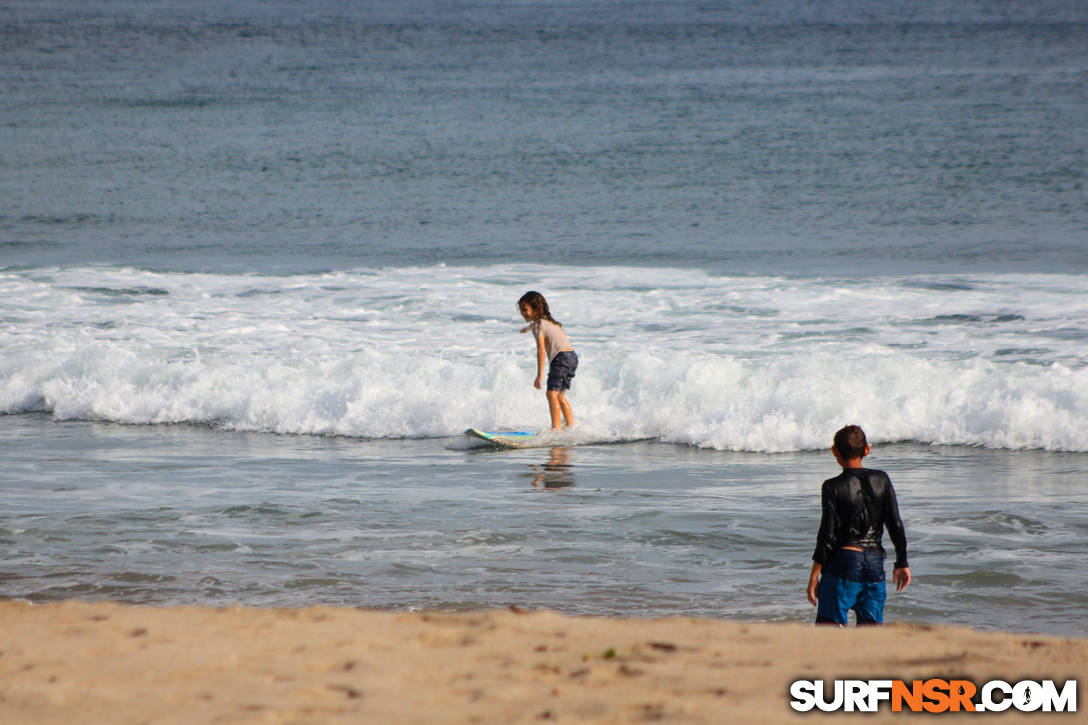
(869, 606)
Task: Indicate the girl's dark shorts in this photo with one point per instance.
(562, 370)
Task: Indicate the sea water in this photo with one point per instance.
(259, 267)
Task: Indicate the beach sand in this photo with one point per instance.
(111, 663)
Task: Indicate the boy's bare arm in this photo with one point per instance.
(814, 582)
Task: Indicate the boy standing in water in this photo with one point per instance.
(848, 564)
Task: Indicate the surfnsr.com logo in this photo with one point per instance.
(933, 695)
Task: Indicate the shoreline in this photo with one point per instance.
(118, 663)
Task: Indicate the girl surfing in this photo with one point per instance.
(553, 345)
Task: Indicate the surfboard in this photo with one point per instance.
(504, 439)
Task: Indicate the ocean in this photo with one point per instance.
(259, 266)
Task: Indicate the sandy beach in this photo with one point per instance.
(112, 663)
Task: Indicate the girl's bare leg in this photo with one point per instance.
(564, 405)
(554, 408)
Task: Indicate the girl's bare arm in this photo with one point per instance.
(541, 361)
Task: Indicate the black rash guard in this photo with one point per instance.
(857, 506)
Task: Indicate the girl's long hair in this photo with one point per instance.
(536, 302)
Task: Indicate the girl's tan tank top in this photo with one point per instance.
(555, 340)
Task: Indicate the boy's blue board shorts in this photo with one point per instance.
(852, 580)
(562, 370)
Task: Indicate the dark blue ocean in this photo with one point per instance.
(778, 137)
(259, 263)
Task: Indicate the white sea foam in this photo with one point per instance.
(738, 363)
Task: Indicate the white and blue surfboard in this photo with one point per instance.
(505, 438)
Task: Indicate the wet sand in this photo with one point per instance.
(113, 663)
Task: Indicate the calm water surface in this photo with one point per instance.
(182, 514)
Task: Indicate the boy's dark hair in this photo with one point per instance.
(850, 442)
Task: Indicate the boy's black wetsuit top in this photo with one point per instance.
(857, 505)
